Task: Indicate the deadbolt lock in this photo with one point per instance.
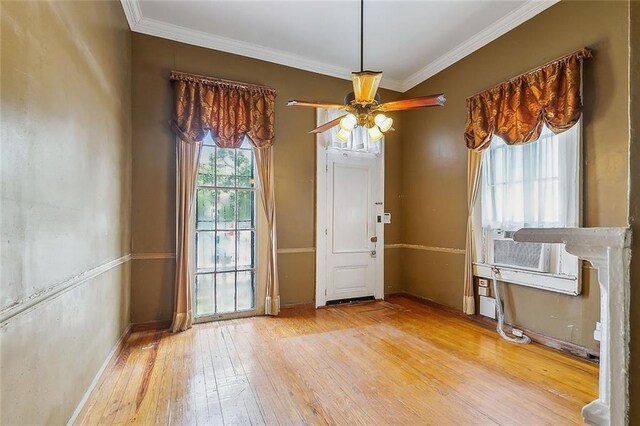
(374, 239)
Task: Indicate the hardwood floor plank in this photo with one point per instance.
(379, 363)
(94, 407)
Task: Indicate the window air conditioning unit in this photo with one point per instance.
(503, 251)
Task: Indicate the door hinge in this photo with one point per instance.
(326, 167)
(325, 291)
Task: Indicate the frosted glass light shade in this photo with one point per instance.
(383, 122)
(375, 133)
(348, 122)
(343, 134)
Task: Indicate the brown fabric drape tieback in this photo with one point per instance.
(230, 111)
(516, 111)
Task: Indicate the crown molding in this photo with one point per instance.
(132, 12)
(500, 27)
(140, 24)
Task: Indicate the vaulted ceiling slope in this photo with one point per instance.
(409, 40)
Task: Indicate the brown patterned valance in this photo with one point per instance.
(517, 109)
(228, 109)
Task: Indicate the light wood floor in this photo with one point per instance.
(394, 362)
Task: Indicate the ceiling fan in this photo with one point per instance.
(362, 106)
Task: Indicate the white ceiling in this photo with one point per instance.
(408, 40)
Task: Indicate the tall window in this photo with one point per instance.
(536, 185)
(225, 231)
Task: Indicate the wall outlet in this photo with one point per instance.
(483, 291)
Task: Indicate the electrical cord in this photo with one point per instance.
(496, 292)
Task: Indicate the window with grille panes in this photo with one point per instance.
(225, 232)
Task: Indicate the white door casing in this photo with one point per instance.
(350, 206)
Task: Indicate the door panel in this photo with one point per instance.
(351, 211)
(351, 207)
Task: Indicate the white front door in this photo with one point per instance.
(351, 219)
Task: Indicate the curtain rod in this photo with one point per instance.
(179, 75)
(584, 52)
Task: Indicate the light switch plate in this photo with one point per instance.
(387, 218)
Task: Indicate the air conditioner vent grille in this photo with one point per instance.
(512, 253)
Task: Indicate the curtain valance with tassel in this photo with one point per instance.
(517, 109)
(229, 110)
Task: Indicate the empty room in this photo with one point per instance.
(332, 212)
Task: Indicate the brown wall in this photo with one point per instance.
(634, 206)
(433, 194)
(154, 167)
(66, 159)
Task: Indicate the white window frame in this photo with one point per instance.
(551, 281)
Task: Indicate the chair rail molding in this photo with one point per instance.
(608, 250)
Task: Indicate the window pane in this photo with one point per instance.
(226, 250)
(245, 209)
(205, 208)
(244, 168)
(225, 230)
(204, 294)
(207, 168)
(225, 292)
(245, 290)
(226, 209)
(245, 182)
(225, 166)
(245, 249)
(205, 250)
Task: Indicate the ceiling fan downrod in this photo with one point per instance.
(361, 35)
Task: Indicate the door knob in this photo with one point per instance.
(374, 239)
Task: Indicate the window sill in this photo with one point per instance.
(544, 281)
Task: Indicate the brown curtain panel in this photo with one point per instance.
(264, 164)
(517, 109)
(474, 163)
(187, 160)
(230, 111)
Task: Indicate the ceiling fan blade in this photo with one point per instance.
(421, 102)
(311, 104)
(365, 84)
(328, 125)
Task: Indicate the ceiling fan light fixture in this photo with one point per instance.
(374, 133)
(383, 122)
(348, 122)
(363, 106)
(343, 134)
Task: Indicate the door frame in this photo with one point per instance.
(321, 222)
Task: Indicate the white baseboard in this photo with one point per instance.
(114, 352)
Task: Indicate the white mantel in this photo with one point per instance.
(608, 250)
